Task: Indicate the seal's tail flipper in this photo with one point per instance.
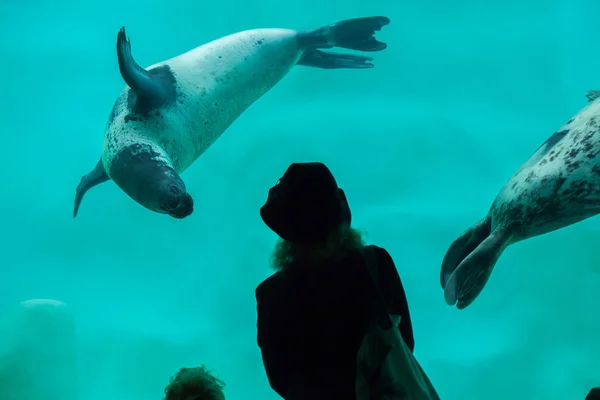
(321, 59)
(95, 177)
(463, 246)
(354, 34)
(469, 278)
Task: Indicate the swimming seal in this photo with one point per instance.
(557, 187)
(172, 111)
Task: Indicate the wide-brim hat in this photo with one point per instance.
(594, 394)
(306, 204)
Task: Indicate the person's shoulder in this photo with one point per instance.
(380, 252)
(382, 255)
(270, 284)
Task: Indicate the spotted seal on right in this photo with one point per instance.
(558, 186)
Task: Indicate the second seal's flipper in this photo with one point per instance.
(153, 88)
(321, 59)
(470, 277)
(592, 95)
(463, 246)
(95, 177)
(354, 34)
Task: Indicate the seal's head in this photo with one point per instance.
(162, 190)
(148, 177)
(194, 384)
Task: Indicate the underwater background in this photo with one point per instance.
(466, 91)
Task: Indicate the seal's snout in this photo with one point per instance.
(185, 207)
(177, 203)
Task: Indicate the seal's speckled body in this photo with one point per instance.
(171, 112)
(558, 186)
(215, 83)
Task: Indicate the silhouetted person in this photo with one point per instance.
(314, 311)
(194, 384)
(594, 394)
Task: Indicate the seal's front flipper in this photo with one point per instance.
(472, 274)
(354, 34)
(321, 59)
(95, 177)
(592, 95)
(154, 87)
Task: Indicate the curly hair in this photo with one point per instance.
(194, 384)
(340, 242)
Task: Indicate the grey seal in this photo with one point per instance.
(171, 112)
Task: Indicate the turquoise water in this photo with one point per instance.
(464, 94)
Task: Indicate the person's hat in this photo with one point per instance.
(594, 394)
(306, 204)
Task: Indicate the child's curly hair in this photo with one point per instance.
(194, 384)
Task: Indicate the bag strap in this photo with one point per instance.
(371, 263)
(382, 316)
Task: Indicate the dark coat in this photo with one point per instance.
(311, 322)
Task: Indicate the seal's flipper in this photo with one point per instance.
(354, 34)
(592, 95)
(472, 274)
(321, 59)
(463, 246)
(95, 177)
(154, 87)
